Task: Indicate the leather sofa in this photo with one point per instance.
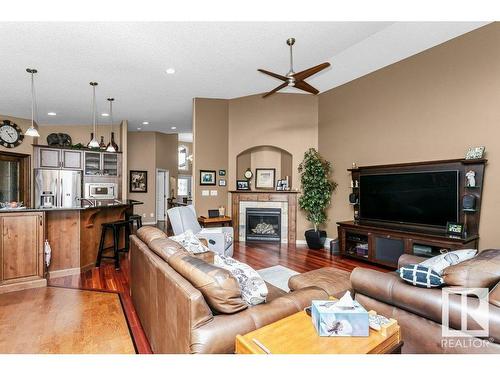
(175, 315)
(419, 310)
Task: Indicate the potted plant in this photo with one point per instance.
(317, 188)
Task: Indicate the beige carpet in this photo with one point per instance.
(58, 320)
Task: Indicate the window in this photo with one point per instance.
(184, 186)
(183, 158)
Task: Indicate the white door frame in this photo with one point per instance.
(165, 193)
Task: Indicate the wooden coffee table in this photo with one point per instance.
(296, 334)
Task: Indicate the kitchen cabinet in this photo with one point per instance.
(55, 158)
(21, 250)
(102, 164)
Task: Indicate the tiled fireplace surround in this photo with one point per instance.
(286, 201)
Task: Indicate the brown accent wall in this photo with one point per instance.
(287, 121)
(210, 150)
(148, 151)
(431, 106)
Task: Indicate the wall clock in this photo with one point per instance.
(10, 134)
(248, 174)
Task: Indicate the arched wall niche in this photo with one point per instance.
(265, 157)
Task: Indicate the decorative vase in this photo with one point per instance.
(102, 145)
(315, 239)
(112, 142)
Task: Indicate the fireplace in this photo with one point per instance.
(263, 224)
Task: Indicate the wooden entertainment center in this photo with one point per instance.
(383, 242)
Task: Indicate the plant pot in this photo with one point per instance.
(315, 239)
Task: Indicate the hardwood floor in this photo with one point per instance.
(258, 256)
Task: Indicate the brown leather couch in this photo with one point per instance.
(175, 315)
(419, 310)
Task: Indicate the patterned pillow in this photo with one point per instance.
(253, 287)
(440, 262)
(420, 276)
(190, 242)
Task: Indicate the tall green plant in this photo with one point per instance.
(317, 187)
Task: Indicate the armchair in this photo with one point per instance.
(220, 240)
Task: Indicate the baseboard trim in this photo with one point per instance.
(149, 223)
(65, 272)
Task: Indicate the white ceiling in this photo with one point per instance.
(214, 60)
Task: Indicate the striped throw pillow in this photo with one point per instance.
(421, 276)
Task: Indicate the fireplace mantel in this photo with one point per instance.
(290, 197)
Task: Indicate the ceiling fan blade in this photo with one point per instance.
(302, 85)
(309, 72)
(283, 78)
(276, 89)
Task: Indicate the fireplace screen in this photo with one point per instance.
(263, 224)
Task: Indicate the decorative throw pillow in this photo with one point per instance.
(253, 287)
(440, 262)
(420, 276)
(190, 242)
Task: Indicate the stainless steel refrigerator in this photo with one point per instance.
(57, 188)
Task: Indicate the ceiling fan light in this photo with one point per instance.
(32, 132)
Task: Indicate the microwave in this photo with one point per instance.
(101, 190)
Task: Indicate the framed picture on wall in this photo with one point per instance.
(207, 178)
(222, 172)
(242, 185)
(222, 182)
(138, 182)
(265, 178)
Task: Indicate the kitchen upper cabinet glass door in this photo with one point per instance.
(110, 164)
(92, 163)
(71, 159)
(49, 158)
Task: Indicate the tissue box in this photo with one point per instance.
(330, 320)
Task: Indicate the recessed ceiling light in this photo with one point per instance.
(145, 123)
(104, 114)
(170, 71)
(173, 127)
(139, 128)
(51, 113)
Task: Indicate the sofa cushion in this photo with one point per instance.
(148, 234)
(482, 271)
(440, 262)
(332, 280)
(220, 289)
(165, 248)
(421, 276)
(253, 287)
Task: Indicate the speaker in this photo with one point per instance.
(353, 198)
(469, 202)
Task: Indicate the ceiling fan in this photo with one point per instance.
(293, 79)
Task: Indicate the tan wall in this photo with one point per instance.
(430, 106)
(210, 147)
(288, 121)
(146, 152)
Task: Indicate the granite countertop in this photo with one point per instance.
(85, 206)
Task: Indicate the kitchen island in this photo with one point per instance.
(73, 234)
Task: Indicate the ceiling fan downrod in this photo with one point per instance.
(289, 75)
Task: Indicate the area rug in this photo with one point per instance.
(277, 276)
(59, 320)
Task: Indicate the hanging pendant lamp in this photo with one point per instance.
(31, 131)
(93, 142)
(112, 147)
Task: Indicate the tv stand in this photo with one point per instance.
(383, 245)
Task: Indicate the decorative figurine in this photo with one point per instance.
(471, 179)
(356, 184)
(354, 166)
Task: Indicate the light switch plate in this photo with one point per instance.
(205, 193)
(213, 193)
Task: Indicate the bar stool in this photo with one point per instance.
(137, 219)
(115, 228)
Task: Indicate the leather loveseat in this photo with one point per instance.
(419, 310)
(176, 316)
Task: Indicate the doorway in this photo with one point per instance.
(162, 191)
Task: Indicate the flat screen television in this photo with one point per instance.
(423, 198)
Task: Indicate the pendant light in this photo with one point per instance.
(112, 146)
(32, 132)
(93, 142)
